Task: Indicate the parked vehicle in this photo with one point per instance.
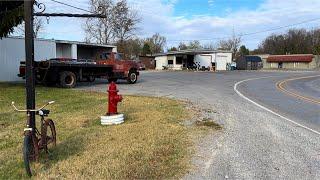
(66, 72)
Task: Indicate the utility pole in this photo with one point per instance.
(29, 48)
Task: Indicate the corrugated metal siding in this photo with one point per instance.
(12, 52)
(63, 50)
(204, 59)
(160, 62)
(222, 59)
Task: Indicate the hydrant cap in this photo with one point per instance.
(112, 87)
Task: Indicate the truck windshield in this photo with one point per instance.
(118, 56)
(105, 56)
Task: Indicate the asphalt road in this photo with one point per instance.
(265, 92)
(255, 144)
(309, 87)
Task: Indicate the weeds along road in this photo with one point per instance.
(255, 144)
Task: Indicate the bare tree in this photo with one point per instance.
(231, 44)
(100, 30)
(182, 46)
(156, 43)
(119, 25)
(38, 26)
(194, 45)
(294, 41)
(314, 37)
(210, 46)
(124, 24)
(125, 21)
(133, 48)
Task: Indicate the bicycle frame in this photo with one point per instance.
(28, 128)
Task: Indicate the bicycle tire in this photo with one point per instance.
(30, 153)
(51, 138)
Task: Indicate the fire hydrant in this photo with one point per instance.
(113, 100)
(112, 117)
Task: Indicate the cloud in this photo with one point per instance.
(211, 3)
(271, 13)
(159, 16)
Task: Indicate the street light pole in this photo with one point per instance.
(29, 50)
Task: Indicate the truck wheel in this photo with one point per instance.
(91, 78)
(68, 79)
(132, 77)
(112, 80)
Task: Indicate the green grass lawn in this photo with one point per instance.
(151, 144)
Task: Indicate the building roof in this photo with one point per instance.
(147, 55)
(192, 52)
(67, 42)
(83, 43)
(290, 58)
(253, 58)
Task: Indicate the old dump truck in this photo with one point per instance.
(66, 72)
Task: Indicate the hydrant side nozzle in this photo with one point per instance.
(120, 98)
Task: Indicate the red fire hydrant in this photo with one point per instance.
(114, 99)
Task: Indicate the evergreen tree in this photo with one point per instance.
(146, 49)
(11, 15)
(243, 51)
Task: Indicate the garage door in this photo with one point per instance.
(221, 63)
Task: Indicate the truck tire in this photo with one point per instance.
(91, 78)
(67, 79)
(132, 77)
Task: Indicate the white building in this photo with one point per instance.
(12, 51)
(178, 60)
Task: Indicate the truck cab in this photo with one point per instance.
(122, 69)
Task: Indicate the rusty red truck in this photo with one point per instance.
(66, 72)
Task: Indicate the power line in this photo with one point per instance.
(252, 33)
(75, 7)
(281, 27)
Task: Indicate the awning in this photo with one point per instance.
(290, 58)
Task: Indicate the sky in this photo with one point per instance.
(205, 20)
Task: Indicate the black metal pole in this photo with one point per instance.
(69, 15)
(29, 48)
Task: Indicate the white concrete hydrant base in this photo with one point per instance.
(113, 119)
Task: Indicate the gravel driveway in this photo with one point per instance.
(254, 143)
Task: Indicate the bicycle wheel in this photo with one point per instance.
(50, 133)
(30, 153)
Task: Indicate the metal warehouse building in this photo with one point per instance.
(186, 59)
(249, 63)
(12, 51)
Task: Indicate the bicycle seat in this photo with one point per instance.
(45, 112)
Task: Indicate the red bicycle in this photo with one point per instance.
(35, 141)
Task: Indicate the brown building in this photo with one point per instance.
(293, 61)
(148, 62)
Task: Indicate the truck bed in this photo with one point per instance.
(77, 63)
(67, 72)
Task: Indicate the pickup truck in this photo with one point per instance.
(66, 72)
